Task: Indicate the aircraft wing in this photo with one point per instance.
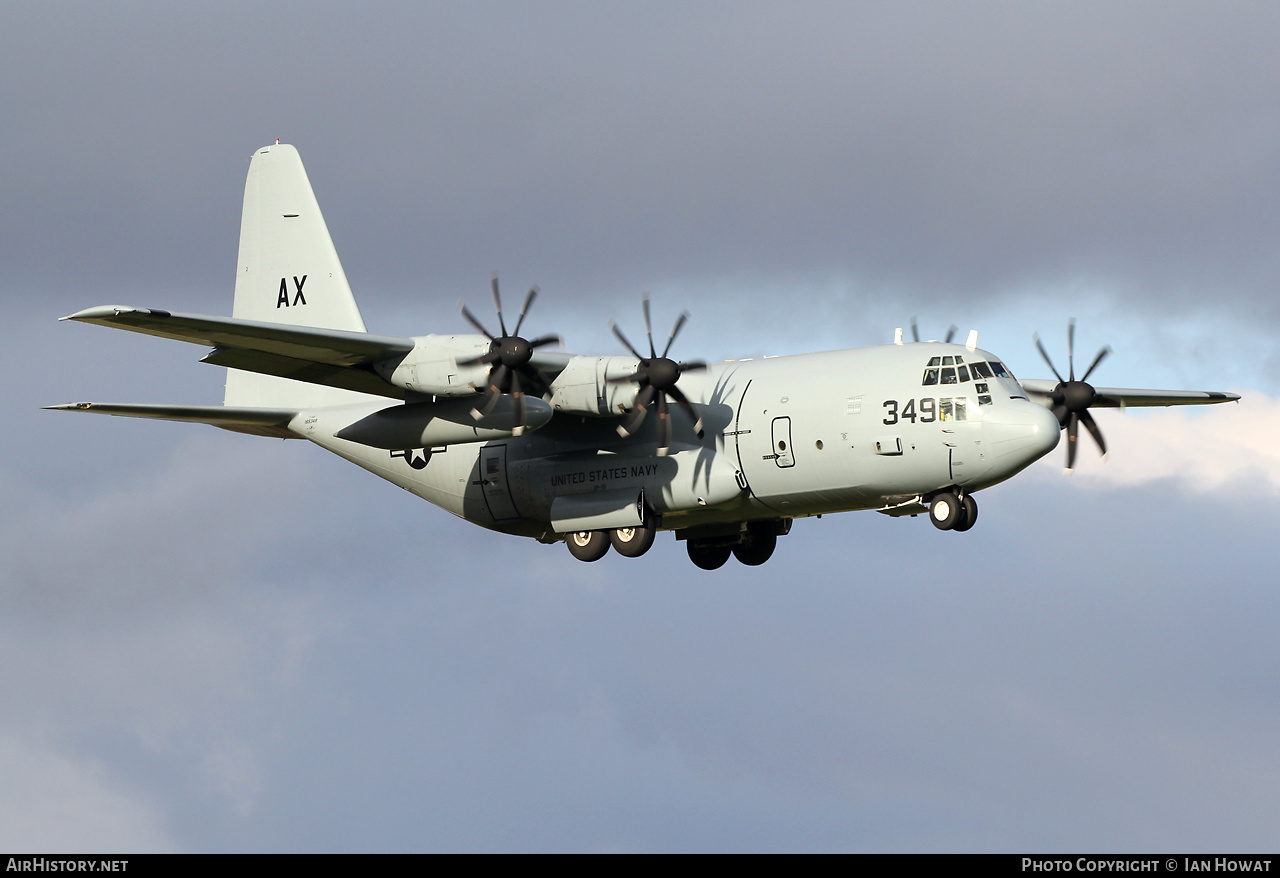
(336, 357)
(256, 421)
(1124, 397)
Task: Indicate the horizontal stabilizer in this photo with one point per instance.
(255, 421)
(1124, 397)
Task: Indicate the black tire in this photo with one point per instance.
(632, 542)
(706, 556)
(587, 545)
(945, 510)
(970, 514)
(758, 544)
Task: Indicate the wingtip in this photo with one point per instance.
(100, 312)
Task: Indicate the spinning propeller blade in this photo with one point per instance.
(657, 376)
(1072, 398)
(508, 358)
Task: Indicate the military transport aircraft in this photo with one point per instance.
(605, 451)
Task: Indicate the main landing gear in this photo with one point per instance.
(948, 511)
(751, 543)
(592, 545)
(588, 545)
(752, 547)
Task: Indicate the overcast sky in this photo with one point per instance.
(221, 642)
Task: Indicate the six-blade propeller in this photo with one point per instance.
(508, 359)
(656, 376)
(1072, 398)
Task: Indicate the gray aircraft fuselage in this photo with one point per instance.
(782, 439)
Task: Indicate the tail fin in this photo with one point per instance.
(288, 272)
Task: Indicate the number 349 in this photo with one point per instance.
(927, 411)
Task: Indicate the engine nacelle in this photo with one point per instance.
(444, 422)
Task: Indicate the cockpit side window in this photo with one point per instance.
(964, 372)
(980, 370)
(952, 409)
(930, 376)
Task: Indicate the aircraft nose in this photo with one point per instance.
(1019, 432)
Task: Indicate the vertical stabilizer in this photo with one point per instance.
(287, 272)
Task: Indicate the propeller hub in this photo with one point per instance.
(515, 351)
(1077, 396)
(662, 373)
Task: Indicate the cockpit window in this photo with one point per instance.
(954, 371)
(952, 409)
(999, 370)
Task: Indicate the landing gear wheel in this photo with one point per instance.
(707, 557)
(587, 545)
(970, 514)
(945, 511)
(632, 542)
(757, 545)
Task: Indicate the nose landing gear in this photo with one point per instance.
(949, 512)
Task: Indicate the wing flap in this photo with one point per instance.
(254, 421)
(361, 379)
